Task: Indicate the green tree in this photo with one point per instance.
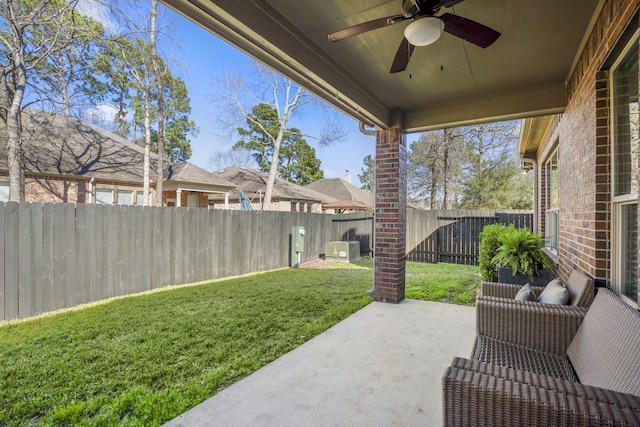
(491, 167)
(472, 167)
(113, 81)
(75, 43)
(263, 126)
(23, 48)
(178, 125)
(297, 161)
(367, 176)
(433, 170)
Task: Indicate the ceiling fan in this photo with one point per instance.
(424, 29)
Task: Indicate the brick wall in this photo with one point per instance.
(55, 190)
(584, 151)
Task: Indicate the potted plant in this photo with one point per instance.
(521, 258)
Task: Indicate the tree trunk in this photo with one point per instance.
(273, 170)
(14, 79)
(147, 149)
(446, 167)
(158, 75)
(434, 185)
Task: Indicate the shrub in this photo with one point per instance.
(489, 244)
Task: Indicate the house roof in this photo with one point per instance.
(65, 146)
(347, 204)
(254, 183)
(452, 82)
(188, 172)
(342, 190)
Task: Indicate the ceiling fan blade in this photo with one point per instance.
(469, 30)
(449, 3)
(354, 30)
(402, 57)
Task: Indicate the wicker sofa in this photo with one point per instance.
(566, 376)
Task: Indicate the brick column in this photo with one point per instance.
(390, 217)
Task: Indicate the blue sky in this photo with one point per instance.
(204, 57)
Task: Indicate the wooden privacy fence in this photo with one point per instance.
(55, 256)
(454, 236)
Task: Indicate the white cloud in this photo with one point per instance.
(103, 113)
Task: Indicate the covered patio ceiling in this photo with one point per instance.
(449, 83)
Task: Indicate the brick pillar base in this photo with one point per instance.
(390, 217)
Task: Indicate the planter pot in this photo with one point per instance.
(505, 275)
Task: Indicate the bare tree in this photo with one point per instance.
(235, 156)
(22, 49)
(239, 95)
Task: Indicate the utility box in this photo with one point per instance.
(342, 251)
(297, 244)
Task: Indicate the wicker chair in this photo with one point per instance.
(499, 315)
(595, 382)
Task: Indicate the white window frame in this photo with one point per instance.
(618, 253)
(552, 214)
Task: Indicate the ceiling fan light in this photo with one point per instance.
(424, 31)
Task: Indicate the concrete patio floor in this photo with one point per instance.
(380, 367)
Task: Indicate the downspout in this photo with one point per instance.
(91, 181)
(534, 162)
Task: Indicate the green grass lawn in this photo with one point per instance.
(144, 360)
(448, 283)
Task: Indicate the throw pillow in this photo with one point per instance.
(526, 293)
(554, 293)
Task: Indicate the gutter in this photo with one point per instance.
(365, 131)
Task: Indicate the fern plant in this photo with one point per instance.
(522, 251)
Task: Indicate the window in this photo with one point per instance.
(4, 191)
(552, 201)
(124, 197)
(625, 120)
(140, 198)
(193, 201)
(104, 196)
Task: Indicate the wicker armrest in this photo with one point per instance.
(504, 290)
(544, 327)
(477, 394)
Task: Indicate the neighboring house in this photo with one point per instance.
(286, 196)
(349, 197)
(71, 161)
(586, 159)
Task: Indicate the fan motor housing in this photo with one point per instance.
(411, 8)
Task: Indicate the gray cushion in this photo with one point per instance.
(581, 289)
(526, 293)
(605, 352)
(554, 293)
